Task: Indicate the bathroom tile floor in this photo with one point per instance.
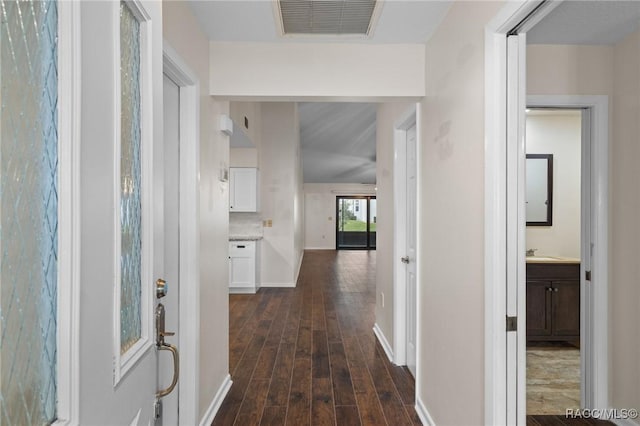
(553, 379)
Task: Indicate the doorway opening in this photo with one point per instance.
(516, 76)
(356, 222)
(553, 142)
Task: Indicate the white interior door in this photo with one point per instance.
(410, 262)
(171, 169)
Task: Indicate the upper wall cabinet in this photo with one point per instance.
(243, 189)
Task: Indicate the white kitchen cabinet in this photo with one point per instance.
(243, 266)
(243, 189)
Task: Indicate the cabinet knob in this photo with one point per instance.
(549, 289)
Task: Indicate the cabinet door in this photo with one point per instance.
(565, 310)
(242, 264)
(243, 190)
(538, 308)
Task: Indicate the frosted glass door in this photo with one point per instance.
(28, 212)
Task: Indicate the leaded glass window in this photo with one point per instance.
(130, 181)
(28, 211)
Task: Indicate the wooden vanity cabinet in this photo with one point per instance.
(553, 302)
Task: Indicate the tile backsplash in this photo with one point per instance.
(245, 224)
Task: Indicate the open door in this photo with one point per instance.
(124, 303)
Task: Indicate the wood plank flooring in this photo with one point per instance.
(308, 355)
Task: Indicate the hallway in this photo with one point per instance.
(308, 355)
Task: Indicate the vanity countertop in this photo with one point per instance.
(552, 259)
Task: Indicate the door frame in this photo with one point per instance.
(368, 198)
(189, 317)
(69, 241)
(594, 230)
(404, 123)
(504, 261)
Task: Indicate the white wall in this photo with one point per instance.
(386, 118)
(320, 211)
(450, 379)
(182, 32)
(558, 133)
(246, 157)
(317, 70)
(624, 227)
(281, 199)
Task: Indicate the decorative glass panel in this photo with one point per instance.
(130, 185)
(28, 211)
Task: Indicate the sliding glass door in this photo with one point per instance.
(356, 222)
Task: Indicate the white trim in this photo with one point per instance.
(383, 342)
(69, 241)
(277, 285)
(419, 250)
(423, 413)
(404, 123)
(189, 312)
(496, 207)
(213, 408)
(319, 248)
(124, 362)
(594, 297)
(242, 290)
(295, 279)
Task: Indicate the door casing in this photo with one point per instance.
(189, 317)
(406, 121)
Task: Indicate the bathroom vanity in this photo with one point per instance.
(553, 299)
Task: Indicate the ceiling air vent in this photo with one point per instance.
(328, 17)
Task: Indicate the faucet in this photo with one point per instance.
(531, 252)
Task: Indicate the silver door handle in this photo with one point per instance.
(176, 368)
(405, 259)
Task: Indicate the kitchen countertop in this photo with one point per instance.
(249, 237)
(552, 259)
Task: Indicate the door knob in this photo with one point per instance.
(161, 288)
(405, 259)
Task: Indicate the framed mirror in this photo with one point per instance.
(539, 195)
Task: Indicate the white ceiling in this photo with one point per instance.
(400, 21)
(338, 139)
(338, 142)
(587, 22)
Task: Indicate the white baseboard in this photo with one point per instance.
(242, 290)
(320, 248)
(383, 341)
(295, 279)
(211, 412)
(423, 413)
(277, 285)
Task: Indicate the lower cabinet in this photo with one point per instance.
(243, 266)
(553, 302)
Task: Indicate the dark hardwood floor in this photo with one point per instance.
(308, 355)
